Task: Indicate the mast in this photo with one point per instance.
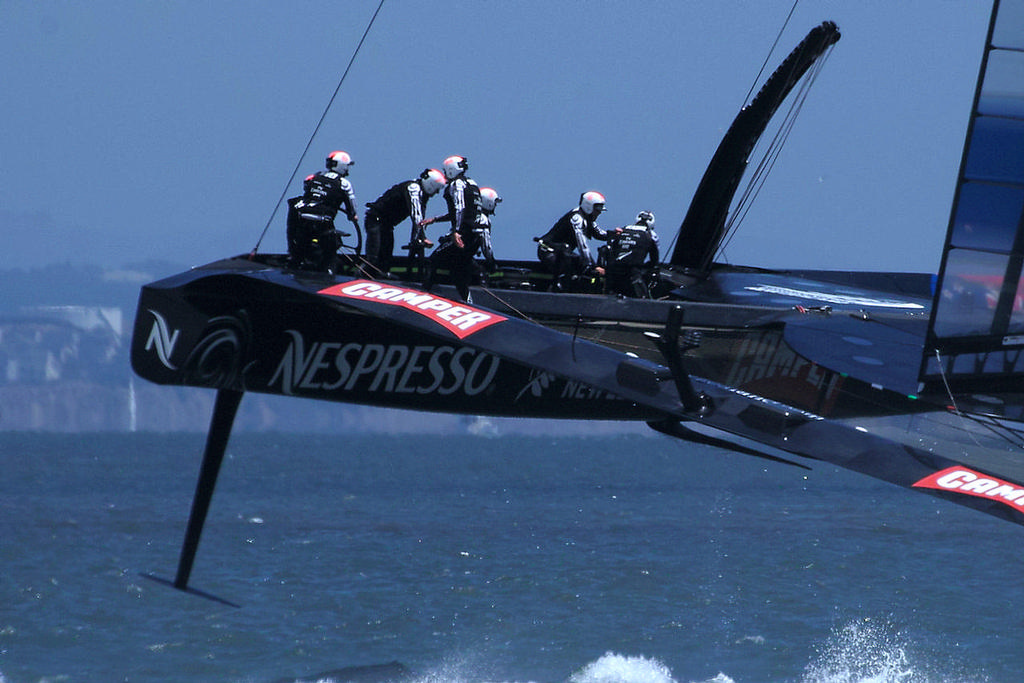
(703, 228)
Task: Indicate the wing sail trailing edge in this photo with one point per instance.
(976, 332)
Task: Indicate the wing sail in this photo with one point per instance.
(976, 332)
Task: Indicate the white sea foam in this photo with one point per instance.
(615, 668)
(610, 668)
(875, 652)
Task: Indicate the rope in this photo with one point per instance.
(623, 346)
(771, 51)
(945, 382)
(771, 154)
(315, 131)
(746, 100)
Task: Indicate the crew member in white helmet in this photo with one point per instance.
(563, 250)
(312, 239)
(407, 199)
(631, 257)
(457, 248)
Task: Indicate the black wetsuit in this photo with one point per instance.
(563, 250)
(402, 200)
(631, 254)
(312, 239)
(463, 198)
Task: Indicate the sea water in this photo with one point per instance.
(498, 558)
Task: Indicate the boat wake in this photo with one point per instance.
(863, 651)
(869, 652)
(860, 652)
(613, 668)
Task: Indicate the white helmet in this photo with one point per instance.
(489, 199)
(592, 203)
(339, 160)
(454, 166)
(645, 218)
(432, 180)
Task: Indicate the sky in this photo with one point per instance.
(140, 131)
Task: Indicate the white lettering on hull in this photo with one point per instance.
(460, 319)
(162, 340)
(968, 482)
(837, 299)
(384, 368)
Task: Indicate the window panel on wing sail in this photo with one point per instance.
(1016, 325)
(1009, 29)
(1001, 90)
(987, 217)
(996, 151)
(970, 292)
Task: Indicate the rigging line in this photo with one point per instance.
(753, 85)
(575, 332)
(771, 154)
(771, 51)
(518, 313)
(774, 148)
(949, 392)
(316, 130)
(945, 382)
(576, 327)
(965, 417)
(760, 174)
(992, 425)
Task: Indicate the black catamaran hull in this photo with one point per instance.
(915, 380)
(227, 329)
(766, 370)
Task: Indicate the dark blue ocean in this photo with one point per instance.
(500, 559)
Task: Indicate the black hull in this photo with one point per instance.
(242, 326)
(826, 366)
(764, 367)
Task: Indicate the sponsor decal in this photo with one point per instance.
(764, 364)
(838, 299)
(963, 480)
(541, 381)
(387, 368)
(458, 318)
(162, 340)
(581, 391)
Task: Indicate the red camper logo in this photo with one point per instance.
(458, 318)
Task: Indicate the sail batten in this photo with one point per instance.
(977, 323)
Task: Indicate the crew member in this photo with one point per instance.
(632, 253)
(313, 241)
(407, 199)
(456, 249)
(563, 250)
(489, 200)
